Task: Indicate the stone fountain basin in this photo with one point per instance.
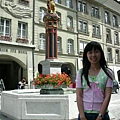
(28, 104)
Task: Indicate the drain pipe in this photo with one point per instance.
(33, 26)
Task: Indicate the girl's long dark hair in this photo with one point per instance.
(86, 64)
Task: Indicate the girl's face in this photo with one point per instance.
(94, 56)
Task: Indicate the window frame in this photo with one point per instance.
(69, 3)
(41, 13)
(107, 17)
(42, 41)
(117, 58)
(59, 43)
(96, 30)
(82, 25)
(115, 23)
(109, 55)
(81, 6)
(59, 21)
(108, 36)
(95, 11)
(21, 30)
(70, 46)
(116, 38)
(83, 44)
(5, 27)
(58, 1)
(69, 23)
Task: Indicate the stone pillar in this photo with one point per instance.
(29, 68)
(51, 67)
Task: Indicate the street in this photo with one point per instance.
(114, 107)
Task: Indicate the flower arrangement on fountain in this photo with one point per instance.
(56, 80)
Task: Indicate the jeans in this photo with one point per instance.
(93, 116)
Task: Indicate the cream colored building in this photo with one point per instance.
(16, 49)
(81, 21)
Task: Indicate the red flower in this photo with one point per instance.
(55, 80)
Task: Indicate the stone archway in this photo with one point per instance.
(11, 71)
(40, 68)
(69, 69)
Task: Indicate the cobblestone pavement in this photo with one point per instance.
(114, 108)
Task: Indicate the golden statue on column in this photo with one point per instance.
(51, 6)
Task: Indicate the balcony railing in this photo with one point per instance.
(22, 40)
(6, 38)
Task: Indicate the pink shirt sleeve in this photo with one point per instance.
(78, 80)
(110, 81)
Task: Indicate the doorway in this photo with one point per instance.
(5, 74)
(9, 72)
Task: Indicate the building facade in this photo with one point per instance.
(16, 49)
(100, 21)
(22, 36)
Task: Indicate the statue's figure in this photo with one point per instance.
(15, 10)
(51, 6)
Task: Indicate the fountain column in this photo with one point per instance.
(51, 64)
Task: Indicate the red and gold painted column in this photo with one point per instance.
(51, 26)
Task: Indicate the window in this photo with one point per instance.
(58, 1)
(116, 41)
(42, 13)
(109, 55)
(69, 3)
(96, 31)
(82, 7)
(70, 48)
(95, 12)
(59, 21)
(5, 27)
(115, 21)
(108, 36)
(59, 42)
(107, 17)
(83, 26)
(24, 1)
(22, 30)
(79, 6)
(42, 41)
(117, 56)
(70, 23)
(82, 46)
(11, 1)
